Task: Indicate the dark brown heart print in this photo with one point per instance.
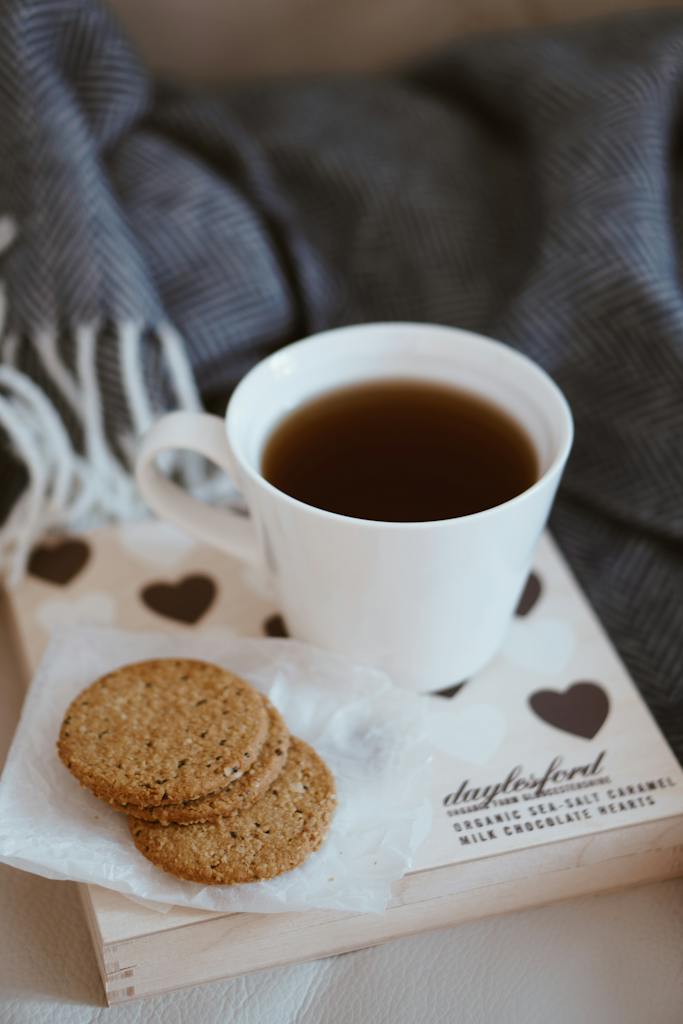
(185, 601)
(449, 691)
(60, 561)
(581, 710)
(275, 625)
(530, 595)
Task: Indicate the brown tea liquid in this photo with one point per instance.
(400, 451)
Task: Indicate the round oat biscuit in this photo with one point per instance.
(162, 731)
(238, 795)
(274, 835)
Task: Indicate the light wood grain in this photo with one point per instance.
(225, 946)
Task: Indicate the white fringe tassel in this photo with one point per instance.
(67, 490)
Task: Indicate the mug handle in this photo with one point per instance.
(195, 432)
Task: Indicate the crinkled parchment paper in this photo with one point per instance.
(372, 735)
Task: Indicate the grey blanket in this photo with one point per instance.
(156, 243)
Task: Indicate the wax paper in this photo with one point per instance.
(372, 735)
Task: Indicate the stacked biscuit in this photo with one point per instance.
(215, 788)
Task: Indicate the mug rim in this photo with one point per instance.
(554, 469)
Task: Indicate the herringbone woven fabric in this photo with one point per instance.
(525, 186)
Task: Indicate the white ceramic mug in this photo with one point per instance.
(427, 602)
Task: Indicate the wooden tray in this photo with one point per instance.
(551, 779)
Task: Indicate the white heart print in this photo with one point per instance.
(95, 609)
(155, 543)
(543, 645)
(472, 733)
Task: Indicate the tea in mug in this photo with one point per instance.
(400, 451)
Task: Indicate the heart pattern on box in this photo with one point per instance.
(187, 600)
(533, 589)
(449, 691)
(60, 561)
(275, 625)
(473, 733)
(155, 543)
(581, 710)
(95, 609)
(544, 646)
